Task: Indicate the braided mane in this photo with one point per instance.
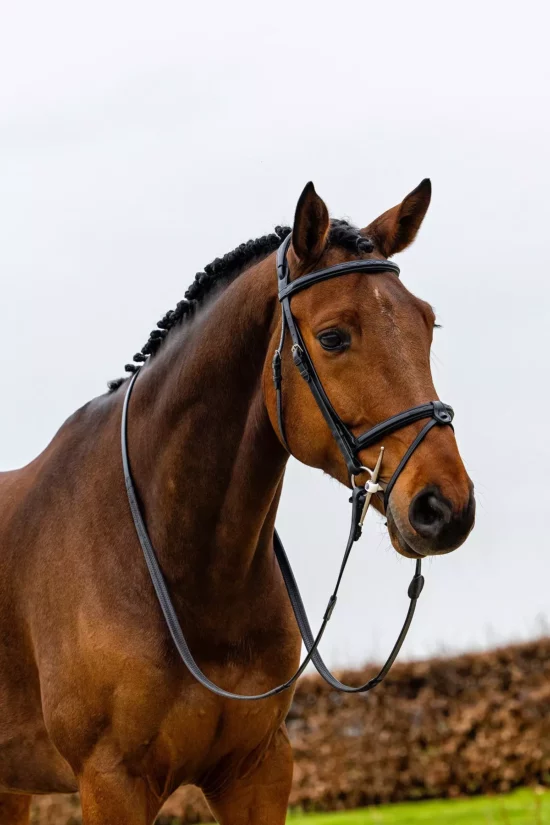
(222, 271)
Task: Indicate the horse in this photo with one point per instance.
(93, 695)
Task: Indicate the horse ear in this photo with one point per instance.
(311, 225)
(396, 229)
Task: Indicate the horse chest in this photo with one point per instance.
(183, 736)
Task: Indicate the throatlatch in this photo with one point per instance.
(350, 446)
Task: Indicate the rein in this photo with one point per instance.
(350, 446)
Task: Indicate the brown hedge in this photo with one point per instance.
(477, 723)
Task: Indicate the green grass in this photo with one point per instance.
(524, 807)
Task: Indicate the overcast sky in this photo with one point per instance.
(138, 141)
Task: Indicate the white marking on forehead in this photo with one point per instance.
(393, 332)
(383, 308)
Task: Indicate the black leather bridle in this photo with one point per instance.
(350, 445)
(436, 412)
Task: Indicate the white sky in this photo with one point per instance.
(138, 141)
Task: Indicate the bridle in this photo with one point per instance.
(350, 446)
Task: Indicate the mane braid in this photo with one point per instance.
(222, 271)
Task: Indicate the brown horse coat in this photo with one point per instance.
(92, 694)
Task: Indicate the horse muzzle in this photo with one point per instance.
(433, 525)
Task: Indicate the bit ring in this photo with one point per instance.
(362, 469)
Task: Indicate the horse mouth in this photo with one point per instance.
(400, 543)
(412, 546)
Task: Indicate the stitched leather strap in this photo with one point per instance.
(370, 266)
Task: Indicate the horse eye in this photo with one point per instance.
(333, 340)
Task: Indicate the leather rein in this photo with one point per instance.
(436, 412)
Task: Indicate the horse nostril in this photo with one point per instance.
(429, 513)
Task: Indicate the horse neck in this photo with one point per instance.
(207, 463)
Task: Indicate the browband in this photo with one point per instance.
(286, 288)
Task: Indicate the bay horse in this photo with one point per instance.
(92, 694)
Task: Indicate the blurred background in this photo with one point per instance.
(139, 141)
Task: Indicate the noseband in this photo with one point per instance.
(350, 446)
